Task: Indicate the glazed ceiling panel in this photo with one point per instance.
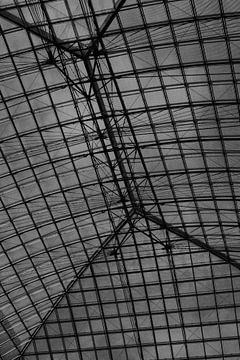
(134, 305)
(119, 119)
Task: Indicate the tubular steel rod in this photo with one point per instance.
(184, 235)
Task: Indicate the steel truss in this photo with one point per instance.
(157, 148)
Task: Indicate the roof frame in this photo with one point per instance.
(80, 54)
(34, 29)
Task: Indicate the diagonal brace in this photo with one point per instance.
(44, 35)
(107, 22)
(88, 264)
(186, 236)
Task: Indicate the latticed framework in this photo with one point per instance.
(119, 178)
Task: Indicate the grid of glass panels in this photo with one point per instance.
(145, 304)
(108, 107)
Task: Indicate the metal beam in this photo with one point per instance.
(39, 32)
(185, 236)
(107, 22)
(59, 44)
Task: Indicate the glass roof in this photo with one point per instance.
(119, 179)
